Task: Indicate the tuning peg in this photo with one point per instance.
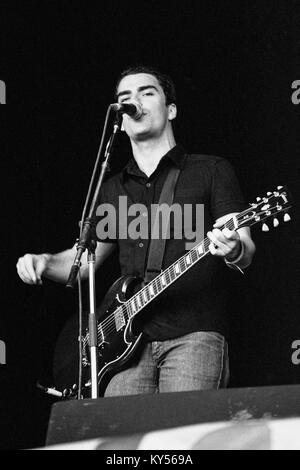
(279, 187)
(258, 199)
(269, 193)
(286, 217)
(265, 228)
(275, 222)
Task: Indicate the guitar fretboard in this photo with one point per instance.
(153, 289)
(161, 282)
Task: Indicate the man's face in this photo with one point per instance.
(146, 90)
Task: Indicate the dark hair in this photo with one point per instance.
(164, 80)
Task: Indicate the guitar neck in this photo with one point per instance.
(161, 282)
(129, 309)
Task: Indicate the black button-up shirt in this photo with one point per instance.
(197, 300)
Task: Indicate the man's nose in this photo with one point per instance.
(136, 97)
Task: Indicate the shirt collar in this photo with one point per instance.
(176, 155)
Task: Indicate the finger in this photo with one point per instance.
(29, 267)
(219, 236)
(230, 234)
(23, 276)
(223, 244)
(216, 239)
(215, 251)
(40, 267)
(22, 271)
(26, 280)
(218, 224)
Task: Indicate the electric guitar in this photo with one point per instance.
(117, 341)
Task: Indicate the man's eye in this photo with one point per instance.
(149, 93)
(123, 101)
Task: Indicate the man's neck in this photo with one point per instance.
(148, 154)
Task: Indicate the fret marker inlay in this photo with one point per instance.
(200, 249)
(151, 290)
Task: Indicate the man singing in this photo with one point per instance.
(185, 330)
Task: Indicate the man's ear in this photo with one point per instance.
(172, 111)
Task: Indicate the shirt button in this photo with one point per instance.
(141, 245)
(148, 185)
(144, 214)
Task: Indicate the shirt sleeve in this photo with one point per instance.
(226, 194)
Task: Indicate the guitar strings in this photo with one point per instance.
(108, 325)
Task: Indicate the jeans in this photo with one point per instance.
(196, 361)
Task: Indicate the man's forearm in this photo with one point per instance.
(58, 265)
(32, 267)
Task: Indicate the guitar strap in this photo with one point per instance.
(157, 245)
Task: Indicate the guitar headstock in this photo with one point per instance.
(267, 207)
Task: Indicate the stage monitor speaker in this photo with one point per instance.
(118, 416)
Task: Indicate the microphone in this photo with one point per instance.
(133, 110)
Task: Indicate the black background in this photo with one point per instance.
(233, 63)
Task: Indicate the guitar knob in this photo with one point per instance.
(265, 228)
(275, 222)
(286, 217)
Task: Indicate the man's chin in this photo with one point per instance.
(142, 135)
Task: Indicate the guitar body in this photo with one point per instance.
(117, 343)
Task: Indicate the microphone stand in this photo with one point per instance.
(88, 241)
